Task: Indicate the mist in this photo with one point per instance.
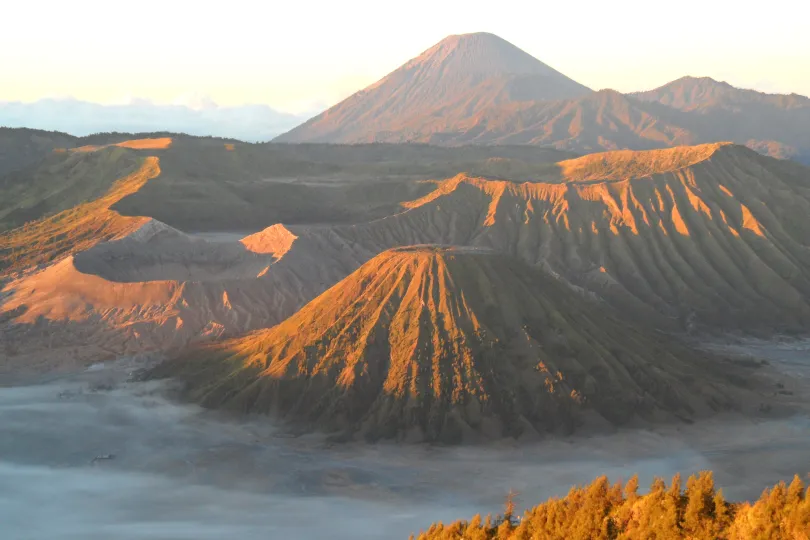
(96, 456)
(251, 123)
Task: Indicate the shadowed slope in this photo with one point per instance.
(155, 287)
(445, 344)
(714, 234)
(22, 147)
(206, 185)
(212, 184)
(77, 228)
(774, 124)
(472, 90)
(702, 93)
(604, 120)
(60, 181)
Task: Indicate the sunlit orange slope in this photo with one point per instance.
(450, 344)
(78, 228)
(713, 234)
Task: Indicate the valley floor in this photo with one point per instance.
(165, 470)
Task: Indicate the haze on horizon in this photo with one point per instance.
(301, 57)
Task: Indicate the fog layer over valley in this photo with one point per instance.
(95, 456)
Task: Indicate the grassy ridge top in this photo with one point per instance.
(61, 181)
(77, 228)
(629, 164)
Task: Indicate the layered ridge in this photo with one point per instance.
(712, 235)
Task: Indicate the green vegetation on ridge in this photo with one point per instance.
(78, 227)
(59, 182)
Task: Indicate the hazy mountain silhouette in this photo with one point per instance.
(479, 89)
(80, 118)
(445, 86)
(694, 93)
(774, 124)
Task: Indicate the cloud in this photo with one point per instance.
(196, 101)
(194, 114)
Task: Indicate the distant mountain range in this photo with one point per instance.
(480, 89)
(250, 123)
(472, 89)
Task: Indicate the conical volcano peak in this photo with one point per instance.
(436, 343)
(447, 85)
(472, 36)
(481, 53)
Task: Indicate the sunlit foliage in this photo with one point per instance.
(605, 511)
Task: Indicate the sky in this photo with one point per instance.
(303, 55)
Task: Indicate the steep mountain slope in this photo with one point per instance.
(478, 89)
(444, 344)
(79, 227)
(22, 147)
(85, 273)
(243, 187)
(701, 93)
(706, 237)
(774, 124)
(607, 120)
(220, 185)
(447, 84)
(604, 120)
(713, 235)
(60, 181)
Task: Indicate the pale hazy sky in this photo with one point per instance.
(301, 55)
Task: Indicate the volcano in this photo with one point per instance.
(477, 89)
(445, 86)
(449, 344)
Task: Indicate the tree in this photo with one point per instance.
(722, 512)
(602, 511)
(699, 514)
(509, 506)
